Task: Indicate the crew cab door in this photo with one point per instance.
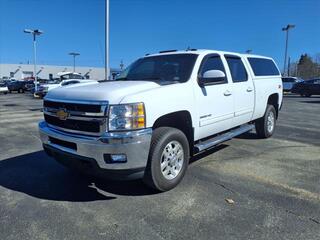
(243, 90)
(214, 101)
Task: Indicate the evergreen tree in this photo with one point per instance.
(306, 67)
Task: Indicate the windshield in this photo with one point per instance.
(174, 67)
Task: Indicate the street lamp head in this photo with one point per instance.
(38, 32)
(288, 27)
(74, 54)
(35, 32)
(27, 31)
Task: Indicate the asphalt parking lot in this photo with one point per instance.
(274, 183)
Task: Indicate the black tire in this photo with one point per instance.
(305, 94)
(161, 138)
(262, 129)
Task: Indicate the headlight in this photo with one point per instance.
(127, 117)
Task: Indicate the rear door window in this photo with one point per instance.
(237, 69)
(263, 67)
(317, 82)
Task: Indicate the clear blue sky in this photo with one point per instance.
(146, 26)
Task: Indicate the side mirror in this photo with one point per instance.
(212, 77)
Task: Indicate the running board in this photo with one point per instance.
(223, 137)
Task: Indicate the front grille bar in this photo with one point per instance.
(78, 121)
(75, 114)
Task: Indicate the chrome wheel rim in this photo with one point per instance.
(172, 159)
(270, 122)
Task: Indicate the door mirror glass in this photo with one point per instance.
(211, 77)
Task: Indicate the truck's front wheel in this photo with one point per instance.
(265, 126)
(168, 159)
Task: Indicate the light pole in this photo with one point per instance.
(286, 29)
(35, 32)
(74, 54)
(107, 69)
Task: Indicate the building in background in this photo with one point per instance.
(25, 71)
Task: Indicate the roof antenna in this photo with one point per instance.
(188, 48)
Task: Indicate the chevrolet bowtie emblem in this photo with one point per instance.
(62, 114)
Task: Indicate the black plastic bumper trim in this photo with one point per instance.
(89, 165)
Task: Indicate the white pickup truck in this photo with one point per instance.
(163, 109)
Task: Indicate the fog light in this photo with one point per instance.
(115, 158)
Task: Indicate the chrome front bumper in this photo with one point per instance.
(134, 144)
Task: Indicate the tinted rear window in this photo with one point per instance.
(237, 69)
(263, 67)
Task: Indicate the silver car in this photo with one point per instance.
(289, 82)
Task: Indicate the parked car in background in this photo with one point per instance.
(16, 86)
(45, 88)
(29, 85)
(7, 81)
(289, 82)
(3, 88)
(64, 78)
(5, 78)
(307, 88)
(69, 75)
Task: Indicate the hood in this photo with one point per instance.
(112, 91)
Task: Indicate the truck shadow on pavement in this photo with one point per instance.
(206, 153)
(249, 136)
(39, 176)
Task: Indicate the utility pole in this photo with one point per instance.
(74, 54)
(107, 68)
(289, 63)
(35, 32)
(286, 29)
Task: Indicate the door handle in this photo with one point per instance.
(249, 89)
(227, 93)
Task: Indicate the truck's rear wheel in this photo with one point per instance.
(168, 159)
(265, 126)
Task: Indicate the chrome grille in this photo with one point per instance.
(83, 117)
